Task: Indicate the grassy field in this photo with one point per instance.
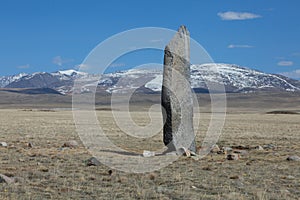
(47, 171)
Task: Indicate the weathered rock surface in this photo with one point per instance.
(177, 94)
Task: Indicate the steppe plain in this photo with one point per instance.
(46, 170)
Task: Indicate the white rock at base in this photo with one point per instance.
(3, 144)
(148, 153)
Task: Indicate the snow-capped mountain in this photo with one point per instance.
(62, 81)
(233, 77)
(239, 79)
(6, 80)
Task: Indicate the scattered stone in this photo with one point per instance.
(276, 154)
(234, 177)
(30, 145)
(260, 148)
(215, 149)
(171, 153)
(71, 144)
(176, 96)
(92, 162)
(289, 177)
(241, 152)
(226, 149)
(241, 147)
(293, 158)
(193, 154)
(152, 176)
(3, 144)
(207, 168)
(185, 152)
(43, 169)
(221, 152)
(6, 179)
(269, 146)
(233, 156)
(148, 154)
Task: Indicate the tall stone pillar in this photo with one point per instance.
(176, 99)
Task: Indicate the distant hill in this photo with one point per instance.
(32, 91)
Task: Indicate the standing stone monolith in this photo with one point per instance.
(176, 99)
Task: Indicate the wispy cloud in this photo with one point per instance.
(58, 60)
(280, 58)
(117, 65)
(230, 15)
(23, 66)
(82, 67)
(292, 74)
(296, 54)
(285, 63)
(232, 46)
(156, 40)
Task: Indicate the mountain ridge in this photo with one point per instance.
(234, 78)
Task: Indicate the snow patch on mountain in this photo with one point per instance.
(155, 84)
(5, 80)
(72, 72)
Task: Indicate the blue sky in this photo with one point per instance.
(52, 35)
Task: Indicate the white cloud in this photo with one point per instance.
(24, 66)
(292, 74)
(280, 58)
(82, 67)
(58, 60)
(285, 63)
(232, 46)
(237, 15)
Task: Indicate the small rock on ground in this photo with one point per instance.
(215, 149)
(92, 162)
(6, 179)
(241, 152)
(269, 146)
(30, 145)
(226, 149)
(260, 148)
(148, 153)
(233, 156)
(241, 147)
(71, 144)
(3, 144)
(293, 158)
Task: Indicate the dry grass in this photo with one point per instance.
(48, 172)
